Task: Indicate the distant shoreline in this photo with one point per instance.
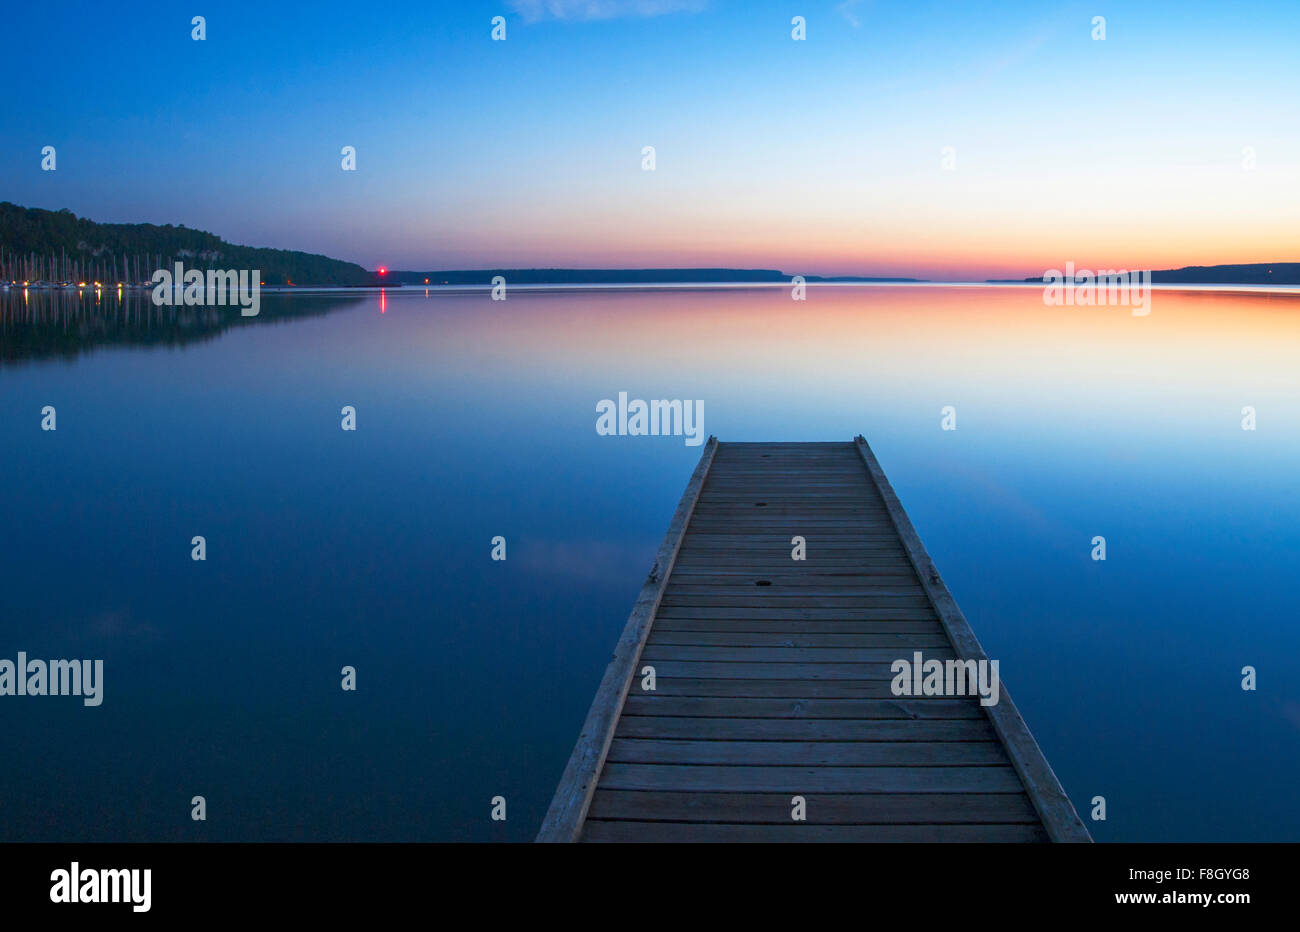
(676, 276)
(1264, 273)
(561, 287)
(1255, 273)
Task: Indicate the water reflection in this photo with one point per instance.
(64, 323)
(477, 418)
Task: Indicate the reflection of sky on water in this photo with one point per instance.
(476, 418)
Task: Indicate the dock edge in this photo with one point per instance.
(1049, 798)
(568, 810)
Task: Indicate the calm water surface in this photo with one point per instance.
(476, 418)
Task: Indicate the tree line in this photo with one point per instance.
(57, 246)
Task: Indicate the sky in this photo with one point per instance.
(1174, 141)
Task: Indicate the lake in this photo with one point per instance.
(476, 418)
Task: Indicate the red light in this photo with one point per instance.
(383, 271)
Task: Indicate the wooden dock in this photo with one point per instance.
(772, 679)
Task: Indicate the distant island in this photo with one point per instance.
(1256, 273)
(617, 277)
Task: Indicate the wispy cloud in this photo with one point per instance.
(534, 10)
(846, 10)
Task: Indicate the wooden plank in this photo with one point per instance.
(843, 520)
(790, 469)
(792, 620)
(851, 515)
(824, 809)
(751, 591)
(679, 832)
(757, 504)
(802, 780)
(695, 564)
(799, 453)
(779, 621)
(1059, 817)
(902, 634)
(768, 499)
(779, 545)
(830, 516)
(747, 498)
(802, 707)
(780, 561)
(757, 451)
(796, 573)
(760, 488)
(779, 556)
(854, 582)
(882, 540)
(858, 619)
(655, 651)
(568, 809)
(849, 519)
(732, 480)
(760, 670)
(847, 530)
(786, 474)
(807, 753)
(722, 637)
(842, 603)
(782, 583)
(796, 505)
(724, 490)
(699, 728)
(774, 687)
(831, 551)
(846, 526)
(843, 583)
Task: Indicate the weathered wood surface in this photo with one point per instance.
(772, 679)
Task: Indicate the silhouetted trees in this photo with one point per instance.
(59, 246)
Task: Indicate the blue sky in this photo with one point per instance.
(821, 156)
